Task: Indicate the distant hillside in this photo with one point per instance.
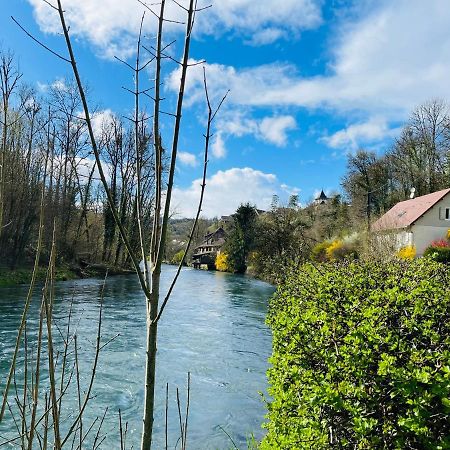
(179, 230)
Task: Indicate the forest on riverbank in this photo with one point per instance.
(45, 149)
(418, 162)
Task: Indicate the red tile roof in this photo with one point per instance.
(405, 213)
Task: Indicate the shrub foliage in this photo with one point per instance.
(440, 254)
(319, 251)
(361, 357)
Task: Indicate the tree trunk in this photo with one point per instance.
(150, 370)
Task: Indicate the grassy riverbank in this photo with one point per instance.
(23, 275)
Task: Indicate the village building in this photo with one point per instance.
(322, 199)
(417, 222)
(205, 254)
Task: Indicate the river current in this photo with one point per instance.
(213, 327)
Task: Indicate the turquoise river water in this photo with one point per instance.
(213, 327)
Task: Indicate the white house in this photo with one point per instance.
(417, 221)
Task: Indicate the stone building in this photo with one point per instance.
(205, 254)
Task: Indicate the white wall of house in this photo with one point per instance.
(435, 216)
(404, 238)
(423, 236)
(392, 241)
(432, 225)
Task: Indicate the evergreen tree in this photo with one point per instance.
(242, 237)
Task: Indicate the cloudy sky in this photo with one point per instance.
(310, 81)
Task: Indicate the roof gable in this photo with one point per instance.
(322, 196)
(405, 213)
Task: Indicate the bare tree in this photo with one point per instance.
(138, 174)
(9, 78)
(151, 255)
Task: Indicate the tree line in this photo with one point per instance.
(44, 145)
(419, 158)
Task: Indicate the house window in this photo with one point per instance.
(447, 213)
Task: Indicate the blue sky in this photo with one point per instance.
(310, 81)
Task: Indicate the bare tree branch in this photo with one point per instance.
(207, 135)
(39, 42)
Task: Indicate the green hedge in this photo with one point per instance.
(440, 254)
(361, 357)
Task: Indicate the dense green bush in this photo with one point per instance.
(178, 257)
(440, 254)
(319, 251)
(361, 357)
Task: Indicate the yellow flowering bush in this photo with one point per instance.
(407, 253)
(222, 262)
(334, 249)
(339, 249)
(448, 234)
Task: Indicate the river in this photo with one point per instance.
(213, 327)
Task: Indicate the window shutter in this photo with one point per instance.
(441, 213)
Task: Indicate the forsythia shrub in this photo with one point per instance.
(408, 252)
(333, 248)
(448, 234)
(221, 262)
(361, 357)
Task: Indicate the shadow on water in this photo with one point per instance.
(213, 327)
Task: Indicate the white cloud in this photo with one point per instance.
(85, 166)
(273, 130)
(224, 192)
(60, 85)
(42, 87)
(237, 123)
(218, 146)
(112, 26)
(188, 159)
(248, 86)
(290, 190)
(266, 36)
(264, 20)
(99, 119)
(356, 135)
(382, 64)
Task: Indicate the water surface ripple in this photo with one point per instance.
(213, 327)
